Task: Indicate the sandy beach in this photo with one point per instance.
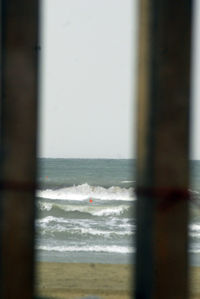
(65, 280)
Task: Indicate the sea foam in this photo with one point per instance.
(85, 191)
(92, 248)
(94, 210)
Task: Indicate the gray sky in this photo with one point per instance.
(88, 79)
(195, 111)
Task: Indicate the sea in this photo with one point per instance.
(85, 211)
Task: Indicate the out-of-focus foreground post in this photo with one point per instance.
(163, 149)
(19, 35)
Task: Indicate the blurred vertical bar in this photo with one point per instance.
(163, 149)
(19, 40)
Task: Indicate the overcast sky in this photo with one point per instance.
(88, 79)
(195, 111)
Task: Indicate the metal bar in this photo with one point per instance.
(163, 149)
(19, 29)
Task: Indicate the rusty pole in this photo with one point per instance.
(163, 149)
(19, 47)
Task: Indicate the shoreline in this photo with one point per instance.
(109, 281)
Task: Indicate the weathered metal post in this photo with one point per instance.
(19, 38)
(163, 149)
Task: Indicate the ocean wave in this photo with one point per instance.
(195, 227)
(127, 182)
(194, 249)
(48, 219)
(93, 210)
(81, 232)
(55, 225)
(123, 223)
(95, 248)
(193, 191)
(85, 191)
(194, 230)
(194, 196)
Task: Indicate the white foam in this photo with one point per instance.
(194, 250)
(195, 227)
(85, 191)
(45, 206)
(193, 191)
(52, 226)
(95, 248)
(52, 229)
(194, 230)
(96, 232)
(94, 210)
(59, 224)
(111, 211)
(49, 219)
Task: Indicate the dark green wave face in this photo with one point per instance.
(86, 211)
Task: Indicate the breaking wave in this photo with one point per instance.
(94, 210)
(51, 225)
(94, 248)
(85, 191)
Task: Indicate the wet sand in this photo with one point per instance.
(109, 281)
